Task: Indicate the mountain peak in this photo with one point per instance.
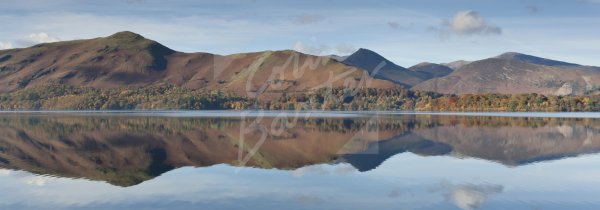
(368, 59)
(511, 55)
(366, 56)
(382, 68)
(126, 35)
(362, 52)
(515, 56)
(423, 64)
(365, 50)
(131, 40)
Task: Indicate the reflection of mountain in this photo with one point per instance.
(518, 145)
(125, 151)
(378, 152)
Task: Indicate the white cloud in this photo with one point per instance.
(37, 180)
(5, 45)
(471, 22)
(339, 170)
(4, 172)
(469, 197)
(37, 38)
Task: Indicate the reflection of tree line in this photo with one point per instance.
(54, 125)
(499, 121)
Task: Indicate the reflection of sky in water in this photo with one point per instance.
(405, 181)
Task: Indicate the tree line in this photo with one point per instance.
(65, 97)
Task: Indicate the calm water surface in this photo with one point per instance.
(317, 160)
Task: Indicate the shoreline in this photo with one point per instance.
(292, 113)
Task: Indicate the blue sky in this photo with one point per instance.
(406, 32)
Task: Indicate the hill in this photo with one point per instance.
(456, 64)
(126, 59)
(513, 73)
(433, 70)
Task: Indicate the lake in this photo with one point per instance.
(306, 160)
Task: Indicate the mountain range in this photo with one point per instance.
(127, 59)
(514, 73)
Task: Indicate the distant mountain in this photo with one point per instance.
(456, 64)
(434, 70)
(128, 59)
(513, 73)
(338, 57)
(382, 68)
(533, 59)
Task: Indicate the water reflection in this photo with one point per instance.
(466, 160)
(472, 196)
(125, 151)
